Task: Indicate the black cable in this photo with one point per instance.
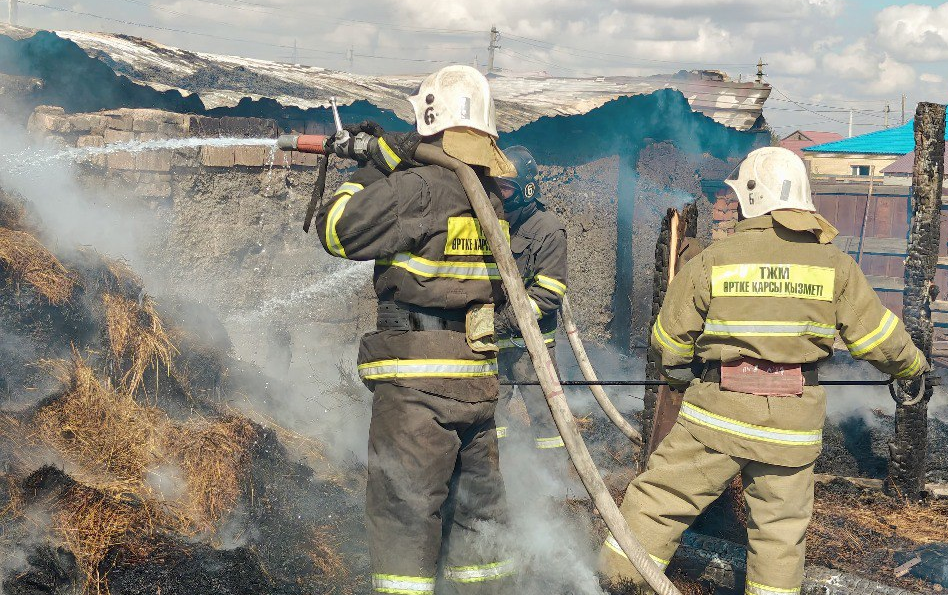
(663, 383)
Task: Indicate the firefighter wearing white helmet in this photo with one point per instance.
(743, 329)
(435, 498)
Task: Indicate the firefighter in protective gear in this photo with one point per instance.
(435, 496)
(538, 243)
(754, 315)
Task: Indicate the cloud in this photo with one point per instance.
(875, 72)
(914, 33)
(794, 63)
(934, 79)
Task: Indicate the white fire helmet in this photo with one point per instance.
(451, 97)
(771, 178)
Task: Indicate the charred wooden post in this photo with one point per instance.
(909, 445)
(661, 405)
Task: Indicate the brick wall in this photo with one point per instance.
(723, 215)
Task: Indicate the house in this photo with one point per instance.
(799, 140)
(861, 155)
(900, 172)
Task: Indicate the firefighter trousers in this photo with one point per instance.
(436, 510)
(516, 365)
(683, 478)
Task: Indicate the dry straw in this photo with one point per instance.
(103, 430)
(215, 458)
(135, 332)
(29, 261)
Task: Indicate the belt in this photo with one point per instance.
(712, 373)
(399, 316)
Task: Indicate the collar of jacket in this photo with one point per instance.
(519, 215)
(794, 220)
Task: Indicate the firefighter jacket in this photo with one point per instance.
(775, 290)
(419, 227)
(538, 243)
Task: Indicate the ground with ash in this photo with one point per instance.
(125, 469)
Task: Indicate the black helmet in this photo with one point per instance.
(525, 181)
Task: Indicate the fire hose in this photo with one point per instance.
(576, 342)
(546, 371)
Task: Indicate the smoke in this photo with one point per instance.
(73, 216)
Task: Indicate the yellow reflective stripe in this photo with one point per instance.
(519, 343)
(427, 368)
(760, 589)
(391, 159)
(545, 443)
(349, 188)
(913, 367)
(773, 280)
(333, 243)
(705, 418)
(501, 432)
(480, 573)
(683, 349)
(875, 338)
(551, 284)
(768, 328)
(613, 545)
(416, 265)
(403, 585)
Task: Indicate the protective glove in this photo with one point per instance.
(679, 377)
(395, 150)
(370, 127)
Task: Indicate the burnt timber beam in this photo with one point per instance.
(908, 448)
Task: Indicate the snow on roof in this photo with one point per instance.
(222, 81)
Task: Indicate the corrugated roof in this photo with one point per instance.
(891, 141)
(905, 164)
(222, 81)
(810, 138)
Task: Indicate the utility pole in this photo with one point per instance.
(12, 14)
(494, 36)
(760, 71)
(903, 108)
(850, 122)
(296, 55)
(350, 55)
(887, 110)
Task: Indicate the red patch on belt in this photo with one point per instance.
(761, 377)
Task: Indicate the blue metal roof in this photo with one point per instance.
(891, 141)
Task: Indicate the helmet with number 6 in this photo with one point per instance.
(455, 96)
(523, 186)
(769, 179)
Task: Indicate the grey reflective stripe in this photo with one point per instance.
(613, 545)
(502, 432)
(486, 271)
(480, 573)
(759, 589)
(520, 343)
(544, 443)
(427, 368)
(402, 585)
(750, 328)
(876, 337)
(701, 417)
(551, 284)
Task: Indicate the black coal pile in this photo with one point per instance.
(123, 469)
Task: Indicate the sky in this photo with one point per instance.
(826, 59)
